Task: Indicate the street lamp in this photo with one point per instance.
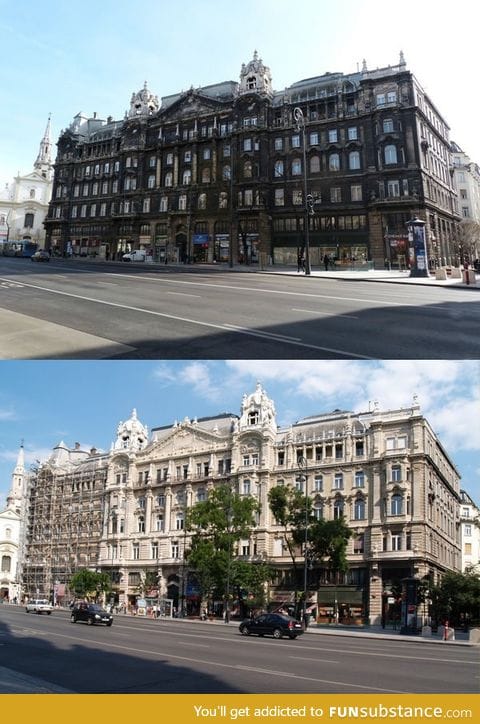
(307, 199)
(302, 463)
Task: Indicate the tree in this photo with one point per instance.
(217, 524)
(457, 599)
(468, 244)
(86, 583)
(326, 539)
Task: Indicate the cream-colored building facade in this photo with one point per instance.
(123, 512)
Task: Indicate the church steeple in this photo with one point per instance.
(43, 164)
(15, 496)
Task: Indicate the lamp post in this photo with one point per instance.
(307, 200)
(302, 463)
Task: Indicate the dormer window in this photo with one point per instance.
(252, 82)
(253, 418)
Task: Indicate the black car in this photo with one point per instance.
(275, 624)
(92, 613)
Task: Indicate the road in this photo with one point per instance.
(146, 656)
(74, 310)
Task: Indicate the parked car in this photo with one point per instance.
(39, 605)
(275, 624)
(40, 256)
(91, 613)
(138, 255)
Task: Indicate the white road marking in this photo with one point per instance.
(210, 325)
(325, 314)
(185, 294)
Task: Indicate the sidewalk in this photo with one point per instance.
(395, 276)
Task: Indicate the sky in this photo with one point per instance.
(45, 402)
(63, 57)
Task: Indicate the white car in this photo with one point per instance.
(138, 255)
(39, 605)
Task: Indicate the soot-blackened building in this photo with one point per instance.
(225, 173)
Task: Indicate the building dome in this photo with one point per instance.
(143, 103)
(131, 434)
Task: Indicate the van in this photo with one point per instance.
(137, 255)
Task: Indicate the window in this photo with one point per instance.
(247, 169)
(315, 164)
(299, 483)
(468, 549)
(279, 197)
(179, 521)
(396, 505)
(352, 133)
(206, 176)
(202, 201)
(359, 479)
(388, 125)
(359, 509)
(356, 192)
(334, 162)
(335, 194)
(226, 173)
(169, 159)
(338, 481)
(175, 550)
(182, 202)
(187, 177)
(159, 523)
(246, 487)
(151, 181)
(6, 564)
(152, 161)
(141, 524)
(223, 200)
(333, 136)
(247, 144)
(278, 144)
(392, 97)
(314, 139)
(354, 160)
(380, 99)
(318, 511)
(154, 550)
(187, 156)
(297, 198)
(390, 154)
(318, 483)
(278, 169)
(135, 552)
(296, 167)
(163, 203)
(207, 154)
(296, 141)
(201, 495)
(93, 210)
(393, 189)
(468, 530)
(396, 541)
(396, 474)
(338, 508)
(169, 178)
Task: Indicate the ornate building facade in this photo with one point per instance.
(12, 534)
(123, 512)
(223, 173)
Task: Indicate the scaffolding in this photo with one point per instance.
(64, 522)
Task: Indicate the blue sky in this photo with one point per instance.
(61, 57)
(45, 402)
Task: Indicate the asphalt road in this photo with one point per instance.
(69, 310)
(146, 656)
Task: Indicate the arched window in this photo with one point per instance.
(247, 169)
(318, 511)
(338, 508)
(141, 524)
(187, 177)
(390, 154)
(334, 162)
(223, 200)
(163, 203)
(206, 176)
(359, 509)
(296, 167)
(6, 564)
(396, 504)
(226, 172)
(354, 159)
(202, 201)
(315, 164)
(151, 181)
(182, 202)
(279, 169)
(169, 179)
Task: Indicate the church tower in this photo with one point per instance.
(43, 164)
(15, 496)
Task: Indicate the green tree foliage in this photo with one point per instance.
(457, 598)
(89, 584)
(216, 525)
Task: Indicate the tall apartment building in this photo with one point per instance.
(123, 512)
(225, 173)
(470, 532)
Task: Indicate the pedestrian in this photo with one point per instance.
(326, 261)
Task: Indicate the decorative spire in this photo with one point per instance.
(44, 160)
(402, 58)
